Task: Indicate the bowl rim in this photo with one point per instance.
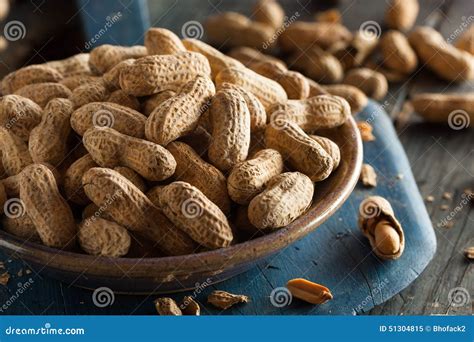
(261, 246)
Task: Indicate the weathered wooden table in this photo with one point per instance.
(442, 160)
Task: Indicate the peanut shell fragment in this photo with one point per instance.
(224, 300)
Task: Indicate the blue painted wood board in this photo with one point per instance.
(336, 255)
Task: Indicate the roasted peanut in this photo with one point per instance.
(247, 56)
(247, 179)
(73, 179)
(318, 112)
(132, 176)
(48, 210)
(353, 53)
(378, 223)
(318, 65)
(72, 82)
(21, 226)
(190, 307)
(95, 91)
(303, 35)
(48, 140)
(466, 41)
(265, 89)
(401, 14)
(397, 53)
(12, 183)
(191, 168)
(354, 96)
(112, 77)
(180, 114)
(285, 198)
(295, 84)
(121, 98)
(167, 307)
(224, 300)
(230, 120)
(303, 153)
(155, 100)
(19, 115)
(104, 57)
(107, 114)
(101, 237)
(72, 66)
(308, 291)
(190, 210)
(28, 75)
(331, 15)
(258, 116)
(160, 41)
(269, 12)
(371, 82)
(129, 207)
(15, 155)
(42, 93)
(217, 60)
(330, 147)
(110, 148)
(234, 29)
(443, 59)
(315, 88)
(368, 177)
(152, 74)
(456, 109)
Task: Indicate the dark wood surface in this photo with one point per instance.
(441, 160)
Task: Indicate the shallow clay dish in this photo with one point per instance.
(169, 274)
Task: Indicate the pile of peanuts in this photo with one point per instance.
(169, 148)
(354, 65)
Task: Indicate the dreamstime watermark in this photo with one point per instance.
(109, 22)
(103, 118)
(46, 330)
(198, 288)
(370, 30)
(286, 23)
(459, 297)
(465, 23)
(103, 208)
(466, 199)
(192, 29)
(279, 119)
(368, 209)
(14, 208)
(14, 30)
(281, 297)
(103, 296)
(22, 287)
(191, 208)
(370, 298)
(459, 119)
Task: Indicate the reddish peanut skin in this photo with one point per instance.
(48, 140)
(179, 115)
(128, 206)
(110, 148)
(48, 210)
(302, 153)
(230, 120)
(152, 74)
(247, 179)
(191, 168)
(286, 197)
(19, 114)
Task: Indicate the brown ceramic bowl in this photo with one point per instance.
(177, 273)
